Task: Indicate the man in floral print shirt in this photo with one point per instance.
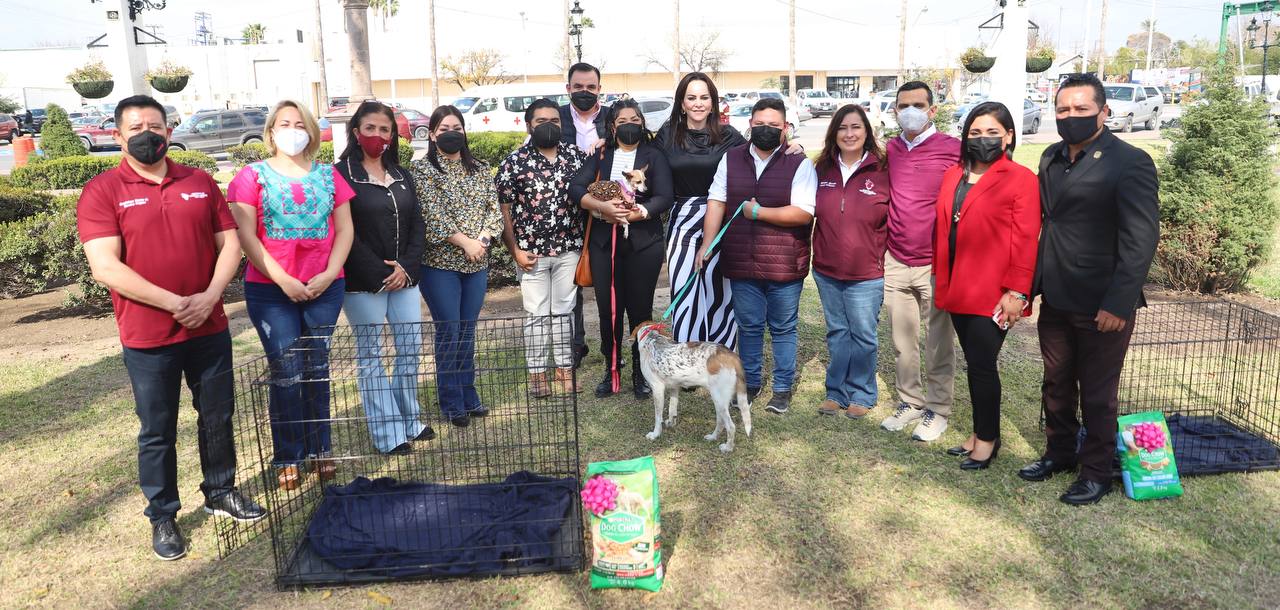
(543, 231)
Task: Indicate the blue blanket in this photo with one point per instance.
(414, 529)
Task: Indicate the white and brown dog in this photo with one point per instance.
(669, 366)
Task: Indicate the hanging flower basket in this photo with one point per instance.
(94, 89)
(976, 60)
(169, 84)
(1039, 59)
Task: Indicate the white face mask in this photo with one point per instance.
(291, 141)
(912, 119)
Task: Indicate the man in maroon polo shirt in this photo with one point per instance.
(161, 237)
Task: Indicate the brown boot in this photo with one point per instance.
(566, 383)
(539, 384)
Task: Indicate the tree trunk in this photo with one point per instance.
(323, 102)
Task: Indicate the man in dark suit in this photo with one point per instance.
(583, 109)
(1098, 237)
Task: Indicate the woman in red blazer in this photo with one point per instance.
(984, 257)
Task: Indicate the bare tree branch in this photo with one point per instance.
(701, 53)
(475, 68)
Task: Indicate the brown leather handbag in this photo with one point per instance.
(582, 275)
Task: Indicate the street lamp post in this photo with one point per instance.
(575, 27)
(1266, 40)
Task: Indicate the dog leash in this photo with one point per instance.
(666, 314)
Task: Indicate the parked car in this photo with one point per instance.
(1131, 104)
(326, 130)
(8, 128)
(1030, 117)
(413, 125)
(1170, 95)
(975, 98)
(795, 116)
(740, 117)
(1036, 95)
(817, 101)
(32, 121)
(96, 133)
(656, 111)
(881, 113)
(214, 132)
(171, 115)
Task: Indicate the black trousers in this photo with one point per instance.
(981, 339)
(156, 375)
(1081, 369)
(634, 277)
(579, 329)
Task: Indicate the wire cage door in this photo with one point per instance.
(427, 450)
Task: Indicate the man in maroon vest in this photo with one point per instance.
(765, 252)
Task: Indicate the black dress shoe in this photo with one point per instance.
(1044, 468)
(605, 387)
(1084, 492)
(426, 434)
(461, 421)
(959, 451)
(401, 449)
(478, 411)
(235, 505)
(640, 385)
(167, 541)
(971, 464)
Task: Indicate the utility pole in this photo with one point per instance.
(524, 38)
(902, 45)
(1087, 24)
(791, 69)
(1151, 33)
(1102, 43)
(675, 48)
(435, 63)
(568, 55)
(323, 103)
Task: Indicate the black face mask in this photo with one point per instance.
(546, 135)
(1076, 129)
(985, 150)
(629, 133)
(451, 142)
(148, 147)
(583, 100)
(766, 138)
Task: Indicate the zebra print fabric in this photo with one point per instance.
(705, 312)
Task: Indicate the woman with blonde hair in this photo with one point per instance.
(296, 230)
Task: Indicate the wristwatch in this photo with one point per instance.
(485, 241)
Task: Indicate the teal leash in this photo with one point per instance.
(666, 314)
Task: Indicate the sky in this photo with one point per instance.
(824, 26)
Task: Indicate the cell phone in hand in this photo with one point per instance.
(997, 316)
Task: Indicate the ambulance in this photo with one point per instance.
(501, 107)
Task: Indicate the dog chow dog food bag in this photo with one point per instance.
(1146, 457)
(621, 499)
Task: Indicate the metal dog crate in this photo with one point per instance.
(1213, 369)
(499, 497)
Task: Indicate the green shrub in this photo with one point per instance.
(252, 152)
(1217, 205)
(45, 249)
(494, 146)
(57, 139)
(75, 172)
(18, 203)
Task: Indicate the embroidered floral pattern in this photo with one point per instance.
(296, 208)
(454, 201)
(543, 219)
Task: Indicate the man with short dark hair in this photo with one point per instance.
(161, 237)
(582, 123)
(543, 232)
(917, 160)
(765, 251)
(1100, 205)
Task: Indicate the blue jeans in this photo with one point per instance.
(296, 339)
(156, 376)
(852, 310)
(755, 303)
(390, 403)
(454, 299)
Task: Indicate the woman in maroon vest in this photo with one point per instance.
(849, 237)
(984, 256)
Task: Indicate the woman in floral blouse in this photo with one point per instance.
(460, 209)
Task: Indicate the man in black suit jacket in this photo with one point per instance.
(1098, 237)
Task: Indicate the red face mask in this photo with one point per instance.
(373, 146)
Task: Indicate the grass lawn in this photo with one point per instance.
(808, 513)
(1265, 280)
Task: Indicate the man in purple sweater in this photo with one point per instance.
(917, 161)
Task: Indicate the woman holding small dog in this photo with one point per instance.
(984, 257)
(849, 238)
(625, 241)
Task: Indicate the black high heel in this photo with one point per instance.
(959, 451)
(972, 464)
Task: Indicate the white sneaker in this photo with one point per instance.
(902, 416)
(931, 427)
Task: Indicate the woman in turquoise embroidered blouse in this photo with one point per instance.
(460, 208)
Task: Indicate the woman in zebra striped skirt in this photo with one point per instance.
(694, 139)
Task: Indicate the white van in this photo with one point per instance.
(501, 107)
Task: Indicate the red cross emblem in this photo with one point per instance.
(485, 120)
(517, 120)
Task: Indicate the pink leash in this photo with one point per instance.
(613, 308)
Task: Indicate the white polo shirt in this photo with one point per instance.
(804, 185)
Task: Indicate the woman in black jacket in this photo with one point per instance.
(625, 242)
(381, 273)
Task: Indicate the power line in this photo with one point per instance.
(823, 15)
